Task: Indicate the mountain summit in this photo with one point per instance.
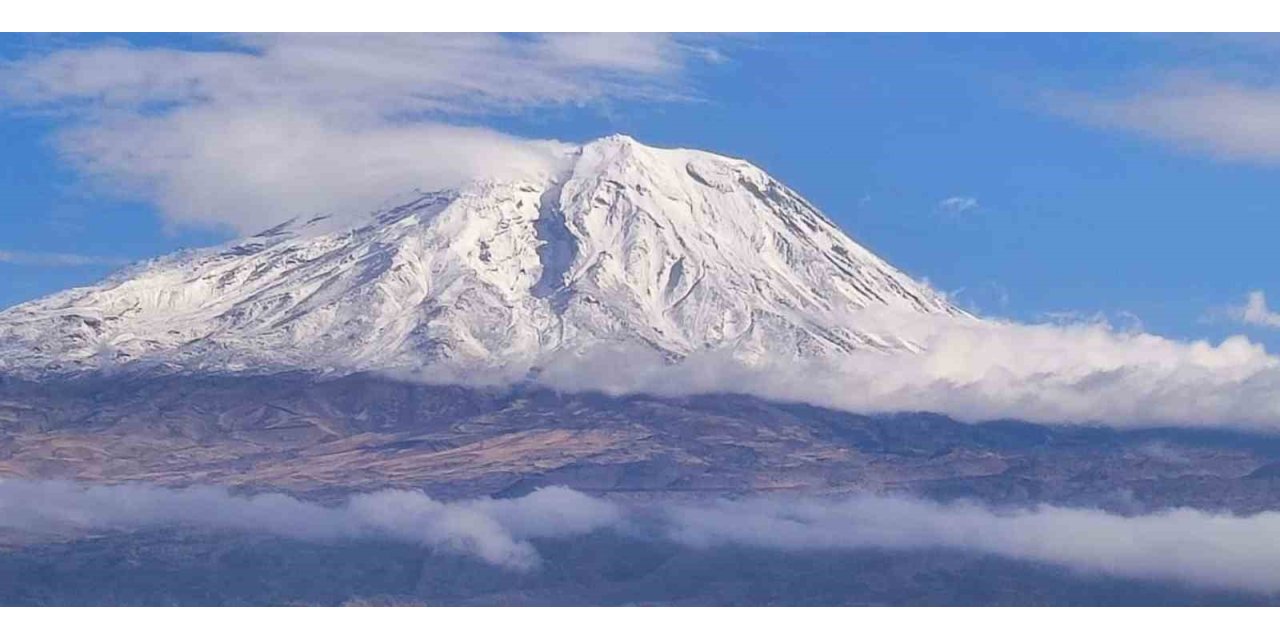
(672, 249)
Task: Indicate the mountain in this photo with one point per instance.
(675, 250)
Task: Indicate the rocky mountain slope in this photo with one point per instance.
(364, 432)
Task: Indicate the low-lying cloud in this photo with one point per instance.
(495, 531)
(1182, 545)
(1193, 547)
(1073, 373)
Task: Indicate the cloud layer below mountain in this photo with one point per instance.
(1205, 549)
(495, 531)
(1072, 373)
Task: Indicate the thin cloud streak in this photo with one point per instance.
(39, 259)
(1224, 119)
(359, 74)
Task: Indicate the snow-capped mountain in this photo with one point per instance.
(674, 249)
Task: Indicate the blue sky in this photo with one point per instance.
(1130, 176)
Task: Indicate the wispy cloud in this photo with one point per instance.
(38, 259)
(275, 126)
(375, 74)
(1226, 119)
(958, 204)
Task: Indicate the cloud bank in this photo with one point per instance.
(263, 128)
(970, 369)
(495, 531)
(1182, 545)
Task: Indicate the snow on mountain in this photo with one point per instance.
(675, 249)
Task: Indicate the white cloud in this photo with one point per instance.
(251, 169)
(1225, 119)
(41, 259)
(1255, 311)
(361, 74)
(958, 204)
(1080, 373)
(495, 531)
(282, 125)
(1184, 545)
(1199, 548)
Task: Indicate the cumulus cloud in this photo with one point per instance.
(1226, 119)
(269, 127)
(958, 204)
(1255, 311)
(43, 259)
(1077, 373)
(1199, 548)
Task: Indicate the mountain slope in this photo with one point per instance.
(676, 250)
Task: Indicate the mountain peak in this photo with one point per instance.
(615, 139)
(673, 250)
